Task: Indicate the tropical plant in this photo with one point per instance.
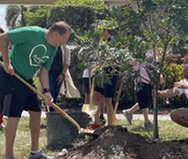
(37, 15)
(73, 15)
(15, 16)
(97, 4)
(162, 28)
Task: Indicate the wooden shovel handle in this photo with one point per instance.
(119, 94)
(118, 98)
(44, 97)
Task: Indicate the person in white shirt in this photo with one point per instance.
(87, 80)
(180, 115)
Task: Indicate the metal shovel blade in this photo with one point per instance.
(89, 109)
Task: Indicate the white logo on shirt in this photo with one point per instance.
(38, 55)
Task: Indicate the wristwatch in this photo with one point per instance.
(46, 90)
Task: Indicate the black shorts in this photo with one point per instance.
(99, 89)
(109, 89)
(16, 96)
(144, 95)
(85, 81)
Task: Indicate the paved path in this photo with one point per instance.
(121, 116)
(140, 117)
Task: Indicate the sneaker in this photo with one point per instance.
(43, 125)
(2, 127)
(94, 126)
(102, 119)
(39, 155)
(128, 116)
(148, 125)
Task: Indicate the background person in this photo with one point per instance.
(33, 48)
(144, 93)
(87, 82)
(1, 116)
(106, 93)
(179, 116)
(57, 71)
(87, 75)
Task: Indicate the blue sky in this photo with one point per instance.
(2, 17)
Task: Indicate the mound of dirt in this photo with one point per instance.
(115, 142)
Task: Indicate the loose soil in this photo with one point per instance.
(115, 142)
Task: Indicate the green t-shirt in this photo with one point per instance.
(30, 50)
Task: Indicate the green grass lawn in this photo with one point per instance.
(168, 130)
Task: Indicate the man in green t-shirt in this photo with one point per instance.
(32, 49)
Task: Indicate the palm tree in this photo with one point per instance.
(15, 16)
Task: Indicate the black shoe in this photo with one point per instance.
(43, 125)
(102, 119)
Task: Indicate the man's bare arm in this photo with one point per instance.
(4, 47)
(168, 93)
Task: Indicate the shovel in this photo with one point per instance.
(58, 109)
(90, 109)
(118, 98)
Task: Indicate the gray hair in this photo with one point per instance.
(61, 27)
